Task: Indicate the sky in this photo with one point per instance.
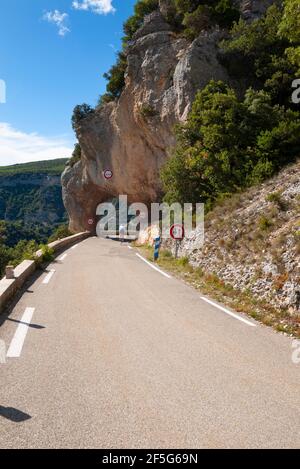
(53, 54)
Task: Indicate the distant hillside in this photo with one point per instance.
(49, 167)
(31, 200)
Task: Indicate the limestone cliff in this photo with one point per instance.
(132, 136)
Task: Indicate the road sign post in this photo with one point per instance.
(177, 245)
(177, 234)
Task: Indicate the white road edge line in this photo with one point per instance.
(129, 247)
(230, 313)
(62, 258)
(153, 266)
(48, 277)
(18, 340)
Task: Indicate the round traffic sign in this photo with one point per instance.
(108, 174)
(177, 232)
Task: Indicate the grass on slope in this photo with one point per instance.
(49, 167)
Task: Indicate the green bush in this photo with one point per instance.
(276, 198)
(47, 253)
(289, 29)
(183, 261)
(166, 254)
(76, 156)
(116, 78)
(197, 21)
(116, 75)
(261, 47)
(225, 14)
(147, 111)
(201, 15)
(105, 99)
(5, 257)
(228, 144)
(141, 9)
(80, 112)
(264, 223)
(60, 233)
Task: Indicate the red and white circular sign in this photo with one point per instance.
(108, 174)
(177, 232)
(90, 221)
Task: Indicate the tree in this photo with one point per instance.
(61, 232)
(289, 29)
(80, 112)
(228, 144)
(197, 21)
(76, 155)
(263, 49)
(141, 9)
(116, 77)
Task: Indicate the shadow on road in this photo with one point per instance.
(33, 326)
(14, 415)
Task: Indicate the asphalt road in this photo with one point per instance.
(118, 355)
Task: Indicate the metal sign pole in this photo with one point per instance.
(177, 248)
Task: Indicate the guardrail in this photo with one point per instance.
(9, 286)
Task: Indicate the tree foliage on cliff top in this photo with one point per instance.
(230, 143)
(261, 49)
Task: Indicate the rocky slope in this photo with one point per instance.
(252, 241)
(132, 136)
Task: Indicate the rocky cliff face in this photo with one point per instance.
(132, 136)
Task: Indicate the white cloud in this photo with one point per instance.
(101, 7)
(59, 19)
(20, 147)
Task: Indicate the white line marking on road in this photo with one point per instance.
(154, 267)
(17, 343)
(236, 316)
(62, 258)
(129, 247)
(48, 277)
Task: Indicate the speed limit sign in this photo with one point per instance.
(177, 232)
(108, 174)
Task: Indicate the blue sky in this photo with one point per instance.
(53, 54)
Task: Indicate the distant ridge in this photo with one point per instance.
(50, 167)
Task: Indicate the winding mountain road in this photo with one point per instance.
(103, 351)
